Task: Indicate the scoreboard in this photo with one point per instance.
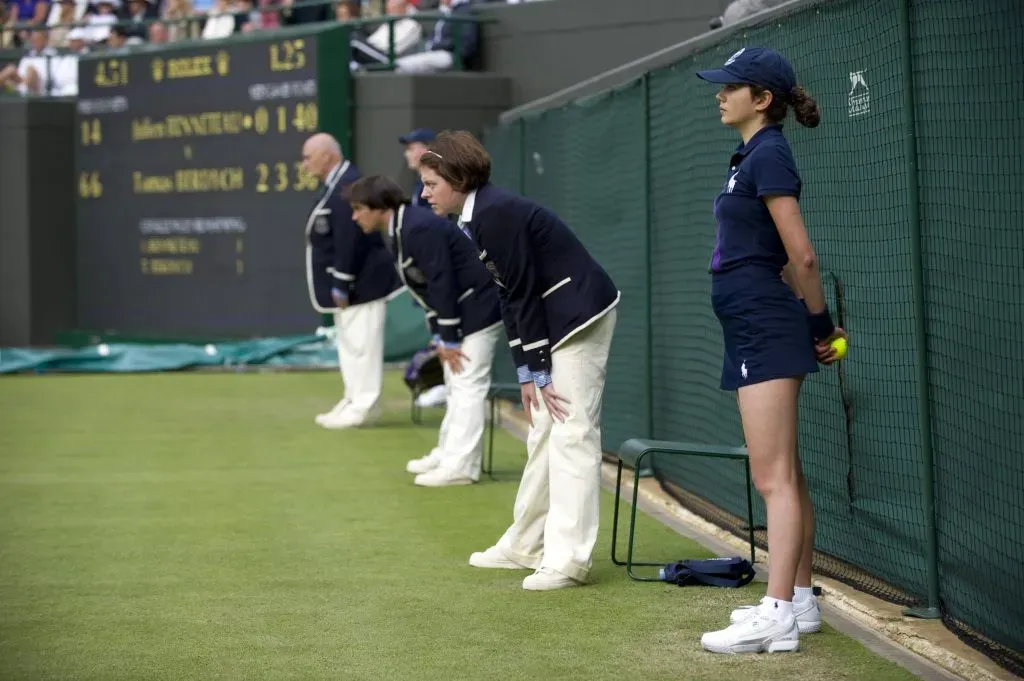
(192, 198)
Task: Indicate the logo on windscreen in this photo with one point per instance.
(860, 96)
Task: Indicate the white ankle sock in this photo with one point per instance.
(802, 593)
(776, 609)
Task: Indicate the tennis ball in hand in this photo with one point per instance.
(839, 345)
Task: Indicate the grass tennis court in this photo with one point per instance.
(200, 526)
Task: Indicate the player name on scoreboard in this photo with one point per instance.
(301, 117)
(190, 180)
(263, 178)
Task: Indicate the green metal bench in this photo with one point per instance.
(498, 391)
(633, 452)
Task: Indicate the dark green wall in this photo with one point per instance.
(37, 220)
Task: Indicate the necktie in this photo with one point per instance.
(464, 226)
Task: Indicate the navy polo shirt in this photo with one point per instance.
(747, 235)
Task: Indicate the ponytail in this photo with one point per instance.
(804, 107)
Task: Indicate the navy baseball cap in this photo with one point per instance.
(755, 66)
(425, 135)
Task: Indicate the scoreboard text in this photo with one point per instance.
(190, 179)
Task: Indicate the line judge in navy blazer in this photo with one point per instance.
(440, 268)
(558, 307)
(349, 274)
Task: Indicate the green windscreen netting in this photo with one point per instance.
(635, 171)
(567, 169)
(971, 146)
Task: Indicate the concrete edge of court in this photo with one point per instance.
(925, 648)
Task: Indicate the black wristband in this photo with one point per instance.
(821, 325)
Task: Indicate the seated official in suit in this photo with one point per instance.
(438, 263)
(558, 305)
(448, 37)
(349, 274)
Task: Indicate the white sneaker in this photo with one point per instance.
(335, 410)
(806, 612)
(441, 478)
(546, 579)
(423, 464)
(755, 634)
(494, 558)
(435, 397)
(340, 421)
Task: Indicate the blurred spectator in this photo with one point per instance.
(269, 19)
(347, 10)
(219, 23)
(117, 40)
(100, 22)
(25, 12)
(64, 68)
(297, 12)
(175, 11)
(64, 12)
(138, 12)
(246, 20)
(439, 54)
(408, 34)
(30, 11)
(158, 33)
(57, 8)
(739, 10)
(33, 75)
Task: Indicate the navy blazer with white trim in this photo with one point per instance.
(440, 267)
(550, 286)
(339, 255)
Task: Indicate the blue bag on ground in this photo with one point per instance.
(731, 573)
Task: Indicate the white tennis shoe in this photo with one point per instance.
(495, 559)
(424, 464)
(806, 612)
(757, 633)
